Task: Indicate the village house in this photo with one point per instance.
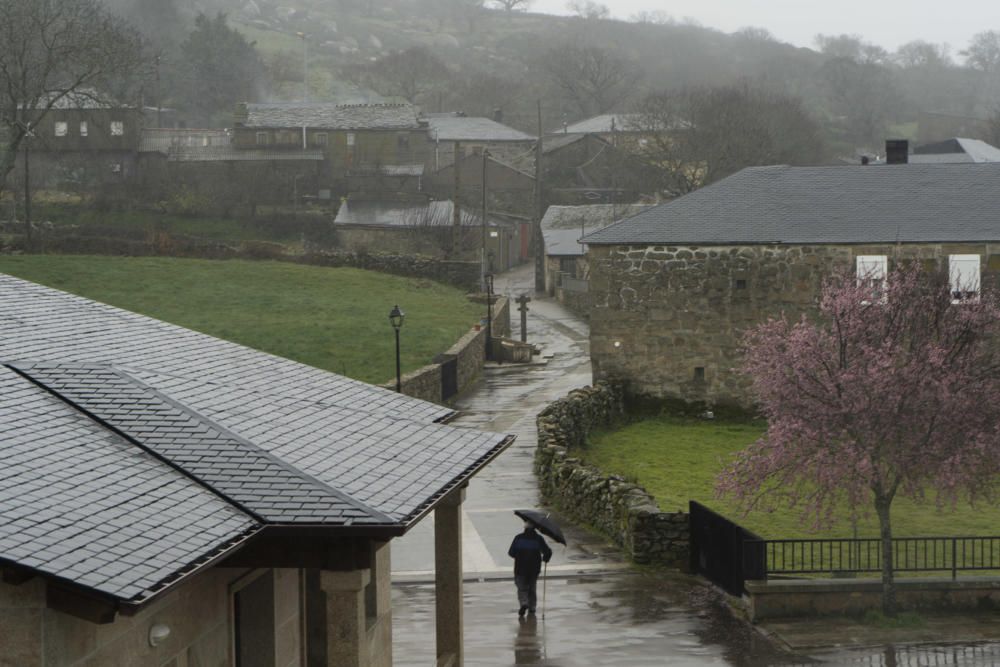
(83, 140)
(673, 288)
(169, 498)
(474, 135)
(566, 268)
(357, 140)
(508, 189)
(416, 225)
(581, 169)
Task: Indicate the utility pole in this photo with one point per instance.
(305, 65)
(456, 223)
(537, 231)
(483, 271)
(159, 105)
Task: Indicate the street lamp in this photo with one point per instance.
(396, 320)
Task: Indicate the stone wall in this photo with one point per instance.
(470, 350)
(855, 597)
(667, 320)
(623, 511)
(198, 615)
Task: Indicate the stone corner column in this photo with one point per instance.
(448, 577)
(346, 632)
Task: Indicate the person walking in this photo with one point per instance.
(528, 550)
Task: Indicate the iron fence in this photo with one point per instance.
(847, 555)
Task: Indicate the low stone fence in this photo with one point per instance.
(854, 597)
(470, 353)
(623, 511)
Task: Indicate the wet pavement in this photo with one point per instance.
(599, 611)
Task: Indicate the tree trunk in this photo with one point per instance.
(882, 506)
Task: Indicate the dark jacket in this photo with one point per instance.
(528, 551)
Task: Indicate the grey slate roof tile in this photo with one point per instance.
(915, 203)
(69, 508)
(333, 116)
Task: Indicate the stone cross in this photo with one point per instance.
(522, 302)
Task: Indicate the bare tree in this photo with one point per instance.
(699, 135)
(918, 53)
(412, 74)
(51, 50)
(589, 9)
(511, 5)
(594, 79)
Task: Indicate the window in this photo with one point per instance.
(117, 128)
(62, 128)
(350, 138)
(403, 141)
(321, 139)
(83, 128)
(741, 283)
(262, 138)
(699, 373)
(963, 276)
(871, 272)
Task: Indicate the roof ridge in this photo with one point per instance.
(128, 438)
(243, 443)
(340, 495)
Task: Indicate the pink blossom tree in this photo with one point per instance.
(893, 389)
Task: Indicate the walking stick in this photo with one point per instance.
(545, 586)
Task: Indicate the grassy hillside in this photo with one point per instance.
(336, 319)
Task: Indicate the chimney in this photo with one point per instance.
(498, 115)
(897, 151)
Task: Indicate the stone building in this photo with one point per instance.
(169, 498)
(673, 288)
(473, 135)
(357, 140)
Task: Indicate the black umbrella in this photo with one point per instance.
(543, 523)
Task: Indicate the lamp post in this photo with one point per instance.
(396, 320)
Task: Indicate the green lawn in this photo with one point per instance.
(335, 319)
(677, 460)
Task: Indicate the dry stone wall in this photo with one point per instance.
(623, 511)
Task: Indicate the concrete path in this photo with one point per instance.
(598, 612)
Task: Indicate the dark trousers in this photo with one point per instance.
(526, 593)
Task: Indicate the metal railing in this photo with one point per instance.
(845, 555)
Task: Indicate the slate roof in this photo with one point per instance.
(958, 149)
(464, 128)
(438, 213)
(333, 116)
(563, 226)
(602, 124)
(134, 452)
(826, 205)
(81, 503)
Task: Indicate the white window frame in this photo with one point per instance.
(964, 277)
(350, 138)
(321, 139)
(61, 128)
(84, 128)
(262, 138)
(117, 128)
(871, 272)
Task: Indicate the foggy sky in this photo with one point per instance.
(888, 23)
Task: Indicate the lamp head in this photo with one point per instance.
(396, 317)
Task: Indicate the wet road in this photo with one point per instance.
(598, 611)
